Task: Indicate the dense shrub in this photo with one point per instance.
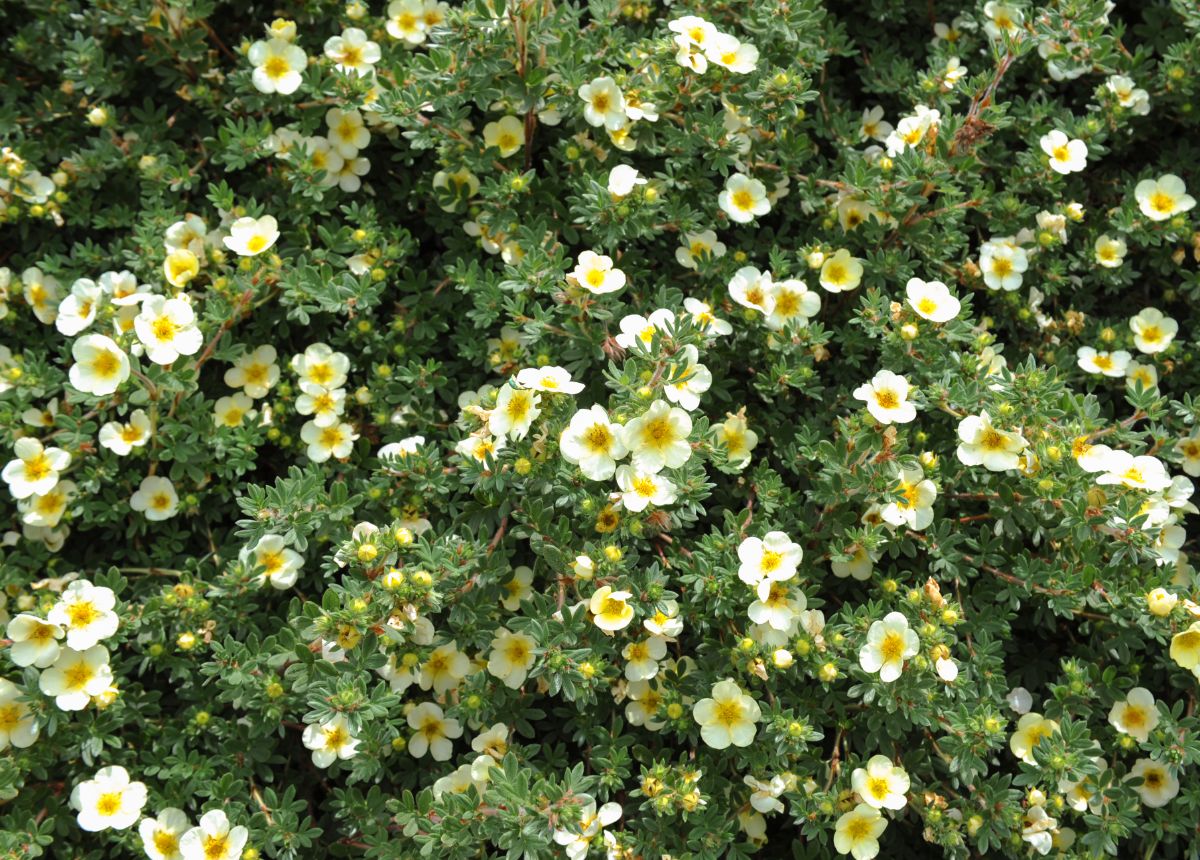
(582, 429)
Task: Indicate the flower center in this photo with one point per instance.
(276, 67)
(892, 647)
(729, 712)
(886, 398)
(109, 803)
(82, 615)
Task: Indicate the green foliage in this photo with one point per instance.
(373, 598)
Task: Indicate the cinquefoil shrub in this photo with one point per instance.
(575, 429)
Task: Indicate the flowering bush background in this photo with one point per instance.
(596, 429)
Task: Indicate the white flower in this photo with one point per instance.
(592, 822)
(167, 328)
(689, 56)
(324, 405)
(35, 470)
(857, 832)
(278, 66)
(352, 52)
(1161, 198)
(699, 248)
(100, 366)
(335, 440)
(765, 797)
(702, 317)
(479, 446)
(406, 20)
(492, 742)
(41, 292)
(859, 565)
(640, 489)
(512, 656)
(736, 438)
(665, 622)
(1003, 19)
(982, 444)
(1031, 729)
(514, 412)
(1189, 450)
(18, 725)
(1143, 473)
(123, 438)
(77, 311)
(320, 365)
(744, 198)
(109, 800)
(75, 677)
(947, 669)
(1152, 330)
(347, 132)
(595, 273)
(841, 272)
(637, 329)
(610, 609)
(659, 438)
(753, 289)
(279, 565)
(255, 372)
(400, 450)
(85, 611)
(1110, 253)
(642, 656)
(34, 642)
(915, 508)
(189, 234)
(229, 411)
(731, 54)
(791, 303)
(213, 839)
(889, 643)
(1136, 715)
(445, 668)
(687, 379)
(432, 732)
(622, 179)
(777, 606)
(161, 835)
(1106, 363)
(1066, 155)
(1158, 786)
(694, 29)
(1038, 829)
(506, 134)
(592, 442)
(886, 396)
(1128, 96)
(1002, 263)
(517, 588)
(772, 558)
(953, 73)
(156, 498)
(251, 236)
(881, 784)
(330, 741)
(873, 125)
(47, 509)
(932, 300)
(727, 717)
(604, 104)
(911, 130)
